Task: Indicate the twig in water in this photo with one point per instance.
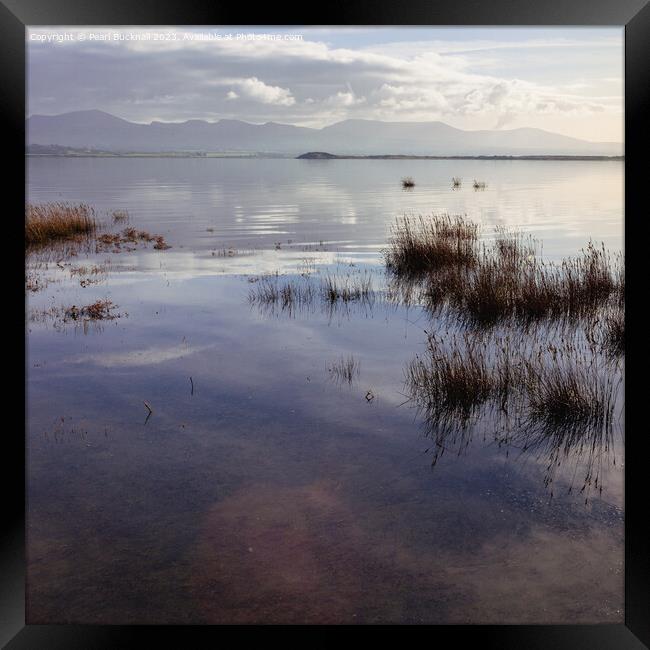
(149, 409)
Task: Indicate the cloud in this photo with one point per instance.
(261, 92)
(142, 357)
(407, 98)
(346, 99)
(558, 79)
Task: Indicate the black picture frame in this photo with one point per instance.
(15, 15)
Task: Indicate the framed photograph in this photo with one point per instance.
(327, 321)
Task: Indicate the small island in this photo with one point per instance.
(318, 155)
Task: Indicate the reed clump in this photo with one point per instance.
(408, 182)
(522, 286)
(568, 386)
(566, 383)
(129, 237)
(421, 244)
(49, 223)
(455, 380)
(288, 294)
(346, 289)
(558, 398)
(455, 377)
(615, 332)
(99, 310)
(303, 293)
(485, 284)
(532, 345)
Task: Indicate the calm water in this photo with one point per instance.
(262, 490)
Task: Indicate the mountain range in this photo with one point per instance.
(101, 131)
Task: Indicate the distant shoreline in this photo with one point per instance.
(321, 155)
(310, 157)
(90, 152)
(143, 154)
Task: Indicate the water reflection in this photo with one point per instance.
(263, 487)
(559, 401)
(250, 204)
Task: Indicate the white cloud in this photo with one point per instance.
(565, 79)
(142, 357)
(261, 92)
(342, 99)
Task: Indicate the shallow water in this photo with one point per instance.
(262, 489)
(346, 204)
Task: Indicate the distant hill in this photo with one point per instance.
(97, 130)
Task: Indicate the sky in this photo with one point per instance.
(565, 80)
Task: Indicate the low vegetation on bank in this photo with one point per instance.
(68, 228)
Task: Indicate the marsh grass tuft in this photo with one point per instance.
(303, 293)
(530, 346)
(456, 377)
(347, 289)
(450, 384)
(289, 294)
(555, 399)
(507, 279)
(49, 223)
(614, 332)
(99, 310)
(408, 182)
(570, 388)
(566, 383)
(129, 238)
(422, 244)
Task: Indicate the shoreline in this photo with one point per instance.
(328, 157)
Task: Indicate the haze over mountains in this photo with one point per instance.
(98, 130)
